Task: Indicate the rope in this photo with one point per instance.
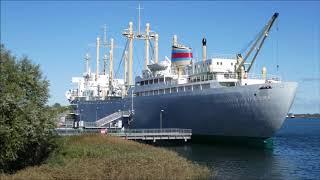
(246, 47)
(139, 63)
(125, 47)
(152, 49)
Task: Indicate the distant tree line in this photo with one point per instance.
(315, 115)
(26, 122)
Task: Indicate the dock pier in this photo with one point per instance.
(133, 134)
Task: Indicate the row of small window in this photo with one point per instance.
(174, 90)
(203, 78)
(197, 66)
(220, 63)
(152, 81)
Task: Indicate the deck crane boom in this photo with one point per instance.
(260, 40)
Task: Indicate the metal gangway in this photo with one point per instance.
(106, 120)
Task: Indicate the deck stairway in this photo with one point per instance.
(112, 117)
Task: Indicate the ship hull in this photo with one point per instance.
(240, 111)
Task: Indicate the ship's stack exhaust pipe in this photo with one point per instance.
(204, 50)
(98, 51)
(175, 40)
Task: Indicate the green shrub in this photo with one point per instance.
(25, 120)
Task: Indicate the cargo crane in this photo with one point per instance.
(257, 45)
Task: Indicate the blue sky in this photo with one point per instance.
(57, 35)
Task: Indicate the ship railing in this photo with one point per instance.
(260, 76)
(251, 76)
(89, 124)
(132, 134)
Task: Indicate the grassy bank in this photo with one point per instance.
(105, 157)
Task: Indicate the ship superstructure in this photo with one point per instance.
(214, 96)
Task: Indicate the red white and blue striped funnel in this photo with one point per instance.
(181, 55)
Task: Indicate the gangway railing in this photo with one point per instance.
(152, 134)
(110, 118)
(134, 134)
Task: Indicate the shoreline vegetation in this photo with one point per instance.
(315, 115)
(104, 157)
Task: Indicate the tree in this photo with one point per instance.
(56, 105)
(26, 125)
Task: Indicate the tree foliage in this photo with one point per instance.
(25, 121)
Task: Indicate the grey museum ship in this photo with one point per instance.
(212, 96)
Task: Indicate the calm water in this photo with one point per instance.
(295, 155)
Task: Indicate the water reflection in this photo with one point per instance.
(233, 162)
(295, 155)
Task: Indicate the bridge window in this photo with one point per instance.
(205, 86)
(181, 89)
(168, 80)
(173, 90)
(151, 81)
(142, 83)
(188, 88)
(146, 82)
(196, 87)
(167, 91)
(150, 93)
(161, 80)
(227, 84)
(161, 91)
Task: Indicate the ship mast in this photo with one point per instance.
(86, 59)
(130, 37)
(98, 51)
(146, 36)
(111, 66)
(105, 44)
(139, 9)
(146, 61)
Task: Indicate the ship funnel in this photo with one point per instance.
(204, 50)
